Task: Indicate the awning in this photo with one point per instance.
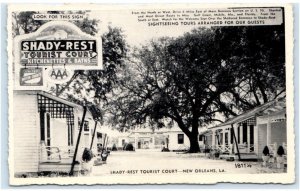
(55, 108)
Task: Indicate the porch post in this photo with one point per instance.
(135, 141)
(234, 136)
(255, 133)
(93, 135)
(78, 140)
(229, 141)
(105, 141)
(213, 138)
(235, 140)
(248, 138)
(167, 141)
(229, 137)
(153, 141)
(241, 134)
(223, 141)
(269, 132)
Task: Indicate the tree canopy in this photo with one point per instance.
(257, 53)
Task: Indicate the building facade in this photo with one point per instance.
(246, 135)
(45, 132)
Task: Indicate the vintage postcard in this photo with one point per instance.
(150, 94)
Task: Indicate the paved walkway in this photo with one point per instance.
(156, 162)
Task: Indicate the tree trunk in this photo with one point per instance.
(194, 145)
(192, 135)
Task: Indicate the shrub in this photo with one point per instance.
(87, 155)
(165, 150)
(217, 154)
(128, 147)
(114, 147)
(280, 151)
(266, 151)
(206, 150)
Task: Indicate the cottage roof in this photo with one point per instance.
(264, 109)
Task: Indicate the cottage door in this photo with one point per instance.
(45, 134)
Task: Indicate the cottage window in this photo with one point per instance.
(180, 138)
(99, 135)
(79, 122)
(86, 126)
(200, 137)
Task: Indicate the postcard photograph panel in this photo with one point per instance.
(150, 94)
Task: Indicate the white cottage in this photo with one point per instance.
(45, 131)
(146, 138)
(245, 136)
(123, 139)
(272, 130)
(178, 141)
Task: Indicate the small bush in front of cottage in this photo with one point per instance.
(165, 149)
(129, 147)
(280, 151)
(266, 151)
(114, 147)
(87, 155)
(266, 156)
